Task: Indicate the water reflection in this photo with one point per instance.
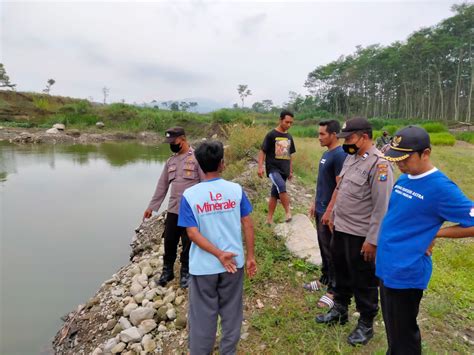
(116, 154)
(67, 215)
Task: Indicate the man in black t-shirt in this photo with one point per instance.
(276, 151)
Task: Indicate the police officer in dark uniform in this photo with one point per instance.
(180, 172)
(355, 212)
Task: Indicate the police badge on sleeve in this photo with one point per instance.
(382, 172)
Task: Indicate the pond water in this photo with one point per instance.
(67, 216)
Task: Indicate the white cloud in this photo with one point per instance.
(170, 50)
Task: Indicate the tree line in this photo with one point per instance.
(429, 76)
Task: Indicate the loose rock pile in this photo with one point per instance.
(130, 314)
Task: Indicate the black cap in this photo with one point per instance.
(172, 133)
(406, 141)
(354, 125)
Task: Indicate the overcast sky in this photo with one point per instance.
(193, 49)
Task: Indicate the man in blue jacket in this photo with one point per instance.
(422, 199)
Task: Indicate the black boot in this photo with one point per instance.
(166, 275)
(336, 315)
(361, 334)
(324, 279)
(184, 277)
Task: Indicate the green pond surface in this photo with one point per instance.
(67, 217)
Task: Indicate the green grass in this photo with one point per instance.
(302, 131)
(442, 138)
(456, 162)
(42, 103)
(434, 127)
(4, 104)
(465, 136)
(14, 124)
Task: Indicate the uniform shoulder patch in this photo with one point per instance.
(382, 171)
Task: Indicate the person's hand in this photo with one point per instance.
(368, 251)
(227, 260)
(311, 211)
(290, 177)
(260, 171)
(429, 251)
(251, 266)
(147, 214)
(326, 218)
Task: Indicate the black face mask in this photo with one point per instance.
(175, 148)
(351, 149)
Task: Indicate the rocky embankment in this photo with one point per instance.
(130, 313)
(72, 136)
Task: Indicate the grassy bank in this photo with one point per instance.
(285, 324)
(33, 110)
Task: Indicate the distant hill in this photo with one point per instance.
(204, 105)
(207, 105)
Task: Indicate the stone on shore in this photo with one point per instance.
(129, 308)
(171, 314)
(118, 348)
(52, 131)
(147, 326)
(130, 335)
(136, 288)
(148, 343)
(110, 344)
(140, 314)
(301, 238)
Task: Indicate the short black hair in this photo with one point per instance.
(421, 151)
(367, 131)
(332, 126)
(286, 113)
(209, 155)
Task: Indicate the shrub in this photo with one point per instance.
(376, 134)
(321, 114)
(391, 129)
(80, 107)
(379, 123)
(73, 119)
(120, 112)
(244, 141)
(443, 138)
(42, 103)
(465, 136)
(299, 131)
(4, 104)
(434, 127)
(17, 124)
(233, 116)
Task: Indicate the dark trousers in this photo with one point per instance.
(354, 276)
(325, 238)
(172, 234)
(400, 309)
(211, 296)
